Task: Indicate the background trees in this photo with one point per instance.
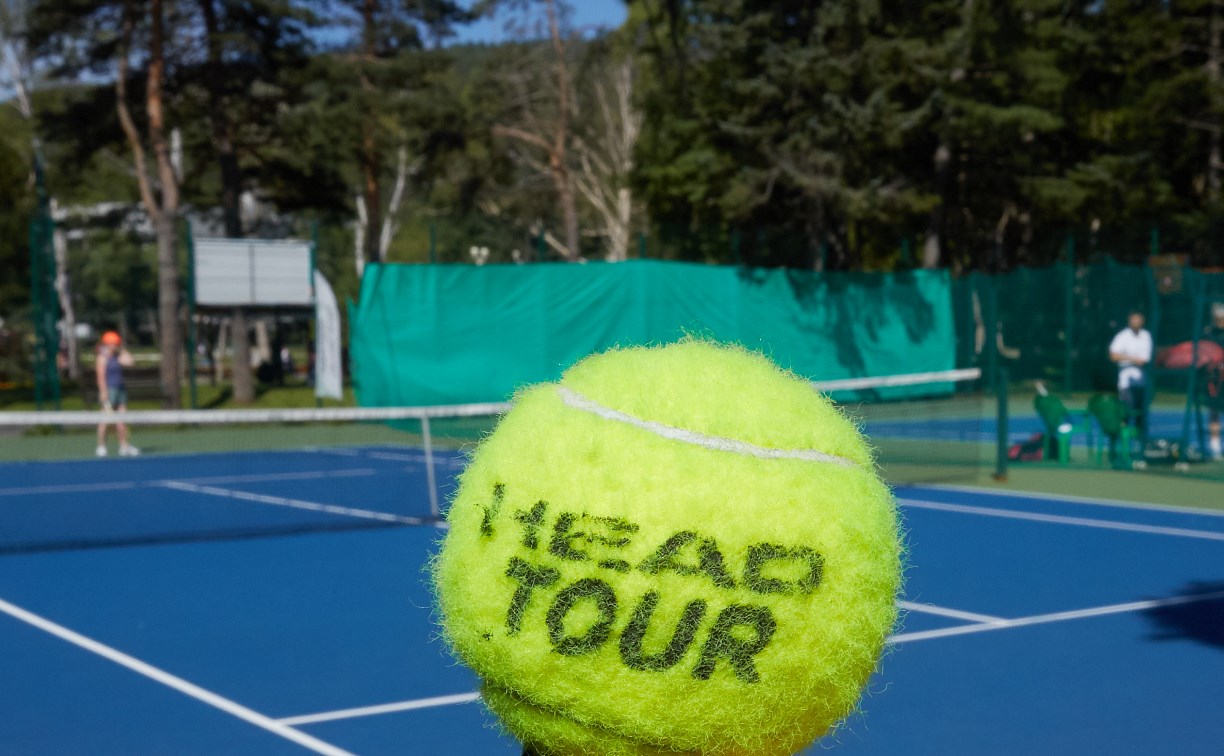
(846, 134)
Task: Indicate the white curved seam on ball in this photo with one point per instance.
(717, 443)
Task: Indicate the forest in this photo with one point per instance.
(973, 135)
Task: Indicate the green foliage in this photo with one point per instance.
(16, 205)
(789, 133)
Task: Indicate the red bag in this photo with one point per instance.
(1179, 356)
(1029, 450)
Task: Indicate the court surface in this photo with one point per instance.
(277, 602)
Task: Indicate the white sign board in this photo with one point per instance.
(246, 272)
(329, 383)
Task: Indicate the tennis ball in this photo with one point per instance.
(681, 549)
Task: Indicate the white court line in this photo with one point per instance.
(177, 683)
(394, 457)
(69, 488)
(1074, 499)
(388, 456)
(943, 611)
(1041, 619)
(281, 501)
(368, 711)
(1086, 522)
(982, 623)
(128, 485)
(271, 477)
(331, 450)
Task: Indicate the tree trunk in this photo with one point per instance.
(164, 221)
(932, 250)
(219, 353)
(569, 207)
(369, 158)
(359, 234)
(558, 161)
(170, 341)
(619, 245)
(389, 225)
(244, 385)
(63, 291)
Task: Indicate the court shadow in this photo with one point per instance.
(1199, 620)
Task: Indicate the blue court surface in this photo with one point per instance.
(1161, 424)
(277, 603)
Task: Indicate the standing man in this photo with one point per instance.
(1214, 381)
(1132, 350)
(112, 393)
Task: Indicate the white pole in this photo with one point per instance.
(429, 470)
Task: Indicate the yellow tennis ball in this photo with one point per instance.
(681, 549)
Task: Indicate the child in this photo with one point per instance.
(112, 393)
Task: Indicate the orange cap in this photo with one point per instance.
(110, 338)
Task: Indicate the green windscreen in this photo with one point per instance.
(451, 334)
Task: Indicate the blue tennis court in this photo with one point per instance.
(278, 602)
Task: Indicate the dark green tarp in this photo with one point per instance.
(454, 334)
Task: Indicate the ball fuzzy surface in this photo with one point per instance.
(677, 549)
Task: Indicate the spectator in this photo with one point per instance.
(112, 393)
(1131, 349)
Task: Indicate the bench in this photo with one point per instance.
(142, 383)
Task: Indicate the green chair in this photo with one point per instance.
(1061, 424)
(1117, 435)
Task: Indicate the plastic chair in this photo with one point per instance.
(1061, 424)
(1111, 415)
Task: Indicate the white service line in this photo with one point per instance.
(942, 611)
(271, 477)
(1086, 522)
(369, 711)
(281, 501)
(177, 683)
(1041, 619)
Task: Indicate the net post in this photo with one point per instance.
(430, 477)
(1001, 421)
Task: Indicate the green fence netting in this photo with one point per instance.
(1055, 323)
(450, 334)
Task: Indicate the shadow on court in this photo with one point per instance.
(1198, 621)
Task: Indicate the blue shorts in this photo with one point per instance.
(117, 395)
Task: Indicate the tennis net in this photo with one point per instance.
(220, 474)
(925, 427)
(211, 475)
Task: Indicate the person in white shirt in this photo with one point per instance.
(1132, 350)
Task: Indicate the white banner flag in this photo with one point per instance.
(329, 383)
